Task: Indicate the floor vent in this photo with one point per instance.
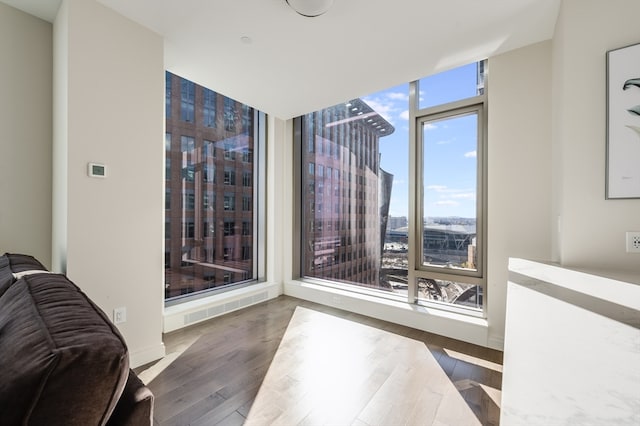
(216, 310)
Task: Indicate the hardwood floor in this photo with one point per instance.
(293, 362)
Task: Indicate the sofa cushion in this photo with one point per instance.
(135, 406)
(63, 362)
(11, 263)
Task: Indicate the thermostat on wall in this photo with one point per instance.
(97, 170)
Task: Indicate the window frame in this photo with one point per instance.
(304, 143)
(458, 111)
(417, 269)
(192, 153)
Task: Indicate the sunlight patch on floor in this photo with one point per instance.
(329, 370)
(153, 371)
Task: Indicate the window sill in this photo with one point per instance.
(467, 328)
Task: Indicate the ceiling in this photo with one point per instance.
(264, 54)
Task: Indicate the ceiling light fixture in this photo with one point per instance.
(310, 8)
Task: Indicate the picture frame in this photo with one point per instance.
(623, 123)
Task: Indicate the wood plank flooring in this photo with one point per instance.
(293, 362)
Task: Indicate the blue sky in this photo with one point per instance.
(449, 145)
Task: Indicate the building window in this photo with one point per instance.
(246, 252)
(353, 190)
(208, 149)
(167, 97)
(187, 144)
(193, 229)
(187, 149)
(230, 202)
(246, 228)
(189, 229)
(209, 201)
(229, 176)
(247, 123)
(209, 173)
(246, 179)
(167, 161)
(187, 100)
(189, 200)
(230, 115)
(229, 227)
(206, 232)
(229, 151)
(246, 203)
(209, 108)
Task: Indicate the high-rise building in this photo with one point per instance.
(209, 205)
(345, 193)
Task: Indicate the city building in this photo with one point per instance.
(346, 193)
(396, 222)
(209, 201)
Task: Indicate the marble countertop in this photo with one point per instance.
(572, 348)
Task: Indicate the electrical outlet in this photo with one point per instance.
(633, 242)
(119, 315)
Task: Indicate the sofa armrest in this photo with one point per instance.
(135, 407)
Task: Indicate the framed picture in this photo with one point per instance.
(623, 123)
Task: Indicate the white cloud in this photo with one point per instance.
(471, 154)
(398, 96)
(454, 192)
(446, 203)
(382, 108)
(392, 106)
(464, 195)
(443, 142)
(430, 126)
(437, 188)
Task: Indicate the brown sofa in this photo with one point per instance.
(63, 361)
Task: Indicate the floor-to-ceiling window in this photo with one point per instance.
(212, 189)
(392, 191)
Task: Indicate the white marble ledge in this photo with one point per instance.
(624, 291)
(572, 348)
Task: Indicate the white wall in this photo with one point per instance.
(112, 82)
(60, 138)
(25, 144)
(592, 229)
(519, 169)
(279, 200)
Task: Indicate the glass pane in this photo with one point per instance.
(452, 85)
(450, 192)
(209, 238)
(355, 192)
(452, 292)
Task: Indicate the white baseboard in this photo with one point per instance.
(146, 355)
(496, 342)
